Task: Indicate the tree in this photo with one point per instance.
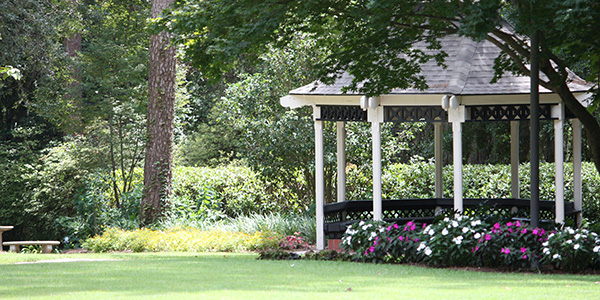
(372, 40)
(160, 121)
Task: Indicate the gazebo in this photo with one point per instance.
(460, 93)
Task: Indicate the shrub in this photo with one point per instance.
(467, 241)
(416, 181)
(572, 250)
(180, 239)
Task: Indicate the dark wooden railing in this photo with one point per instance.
(341, 214)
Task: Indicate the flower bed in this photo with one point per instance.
(469, 241)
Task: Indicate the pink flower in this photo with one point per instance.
(510, 230)
(518, 224)
(416, 240)
(412, 227)
(401, 238)
(535, 231)
(524, 230)
(523, 249)
(505, 251)
(410, 223)
(395, 226)
(487, 237)
(389, 228)
(496, 226)
(424, 225)
(365, 252)
(371, 249)
(524, 256)
(509, 224)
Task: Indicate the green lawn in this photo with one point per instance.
(241, 276)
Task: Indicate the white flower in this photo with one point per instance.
(361, 223)
(465, 229)
(546, 251)
(475, 223)
(445, 231)
(431, 231)
(550, 235)
(421, 246)
(477, 235)
(428, 251)
(597, 249)
(556, 256)
(576, 246)
(458, 240)
(571, 231)
(454, 224)
(365, 227)
(577, 236)
(373, 235)
(569, 242)
(545, 244)
(446, 219)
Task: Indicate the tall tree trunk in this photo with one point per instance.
(160, 125)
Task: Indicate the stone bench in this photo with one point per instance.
(46, 245)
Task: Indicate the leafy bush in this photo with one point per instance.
(416, 180)
(572, 250)
(180, 239)
(467, 241)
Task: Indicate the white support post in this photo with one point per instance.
(341, 161)
(319, 185)
(577, 186)
(457, 116)
(559, 166)
(377, 205)
(439, 168)
(514, 159)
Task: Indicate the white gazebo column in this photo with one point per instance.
(514, 159)
(577, 187)
(341, 161)
(439, 168)
(558, 112)
(319, 180)
(456, 116)
(375, 116)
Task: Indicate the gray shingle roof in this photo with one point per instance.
(469, 72)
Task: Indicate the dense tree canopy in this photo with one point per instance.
(372, 40)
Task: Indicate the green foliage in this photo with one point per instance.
(416, 180)
(572, 250)
(179, 239)
(467, 241)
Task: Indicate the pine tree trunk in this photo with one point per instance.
(160, 115)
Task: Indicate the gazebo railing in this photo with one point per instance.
(341, 214)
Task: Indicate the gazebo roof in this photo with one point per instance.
(469, 73)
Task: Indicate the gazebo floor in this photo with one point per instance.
(341, 214)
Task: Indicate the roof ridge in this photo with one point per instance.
(463, 65)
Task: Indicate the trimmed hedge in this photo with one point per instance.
(416, 180)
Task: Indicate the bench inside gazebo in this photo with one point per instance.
(460, 93)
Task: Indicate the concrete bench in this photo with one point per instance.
(46, 245)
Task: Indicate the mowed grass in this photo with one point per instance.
(242, 276)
